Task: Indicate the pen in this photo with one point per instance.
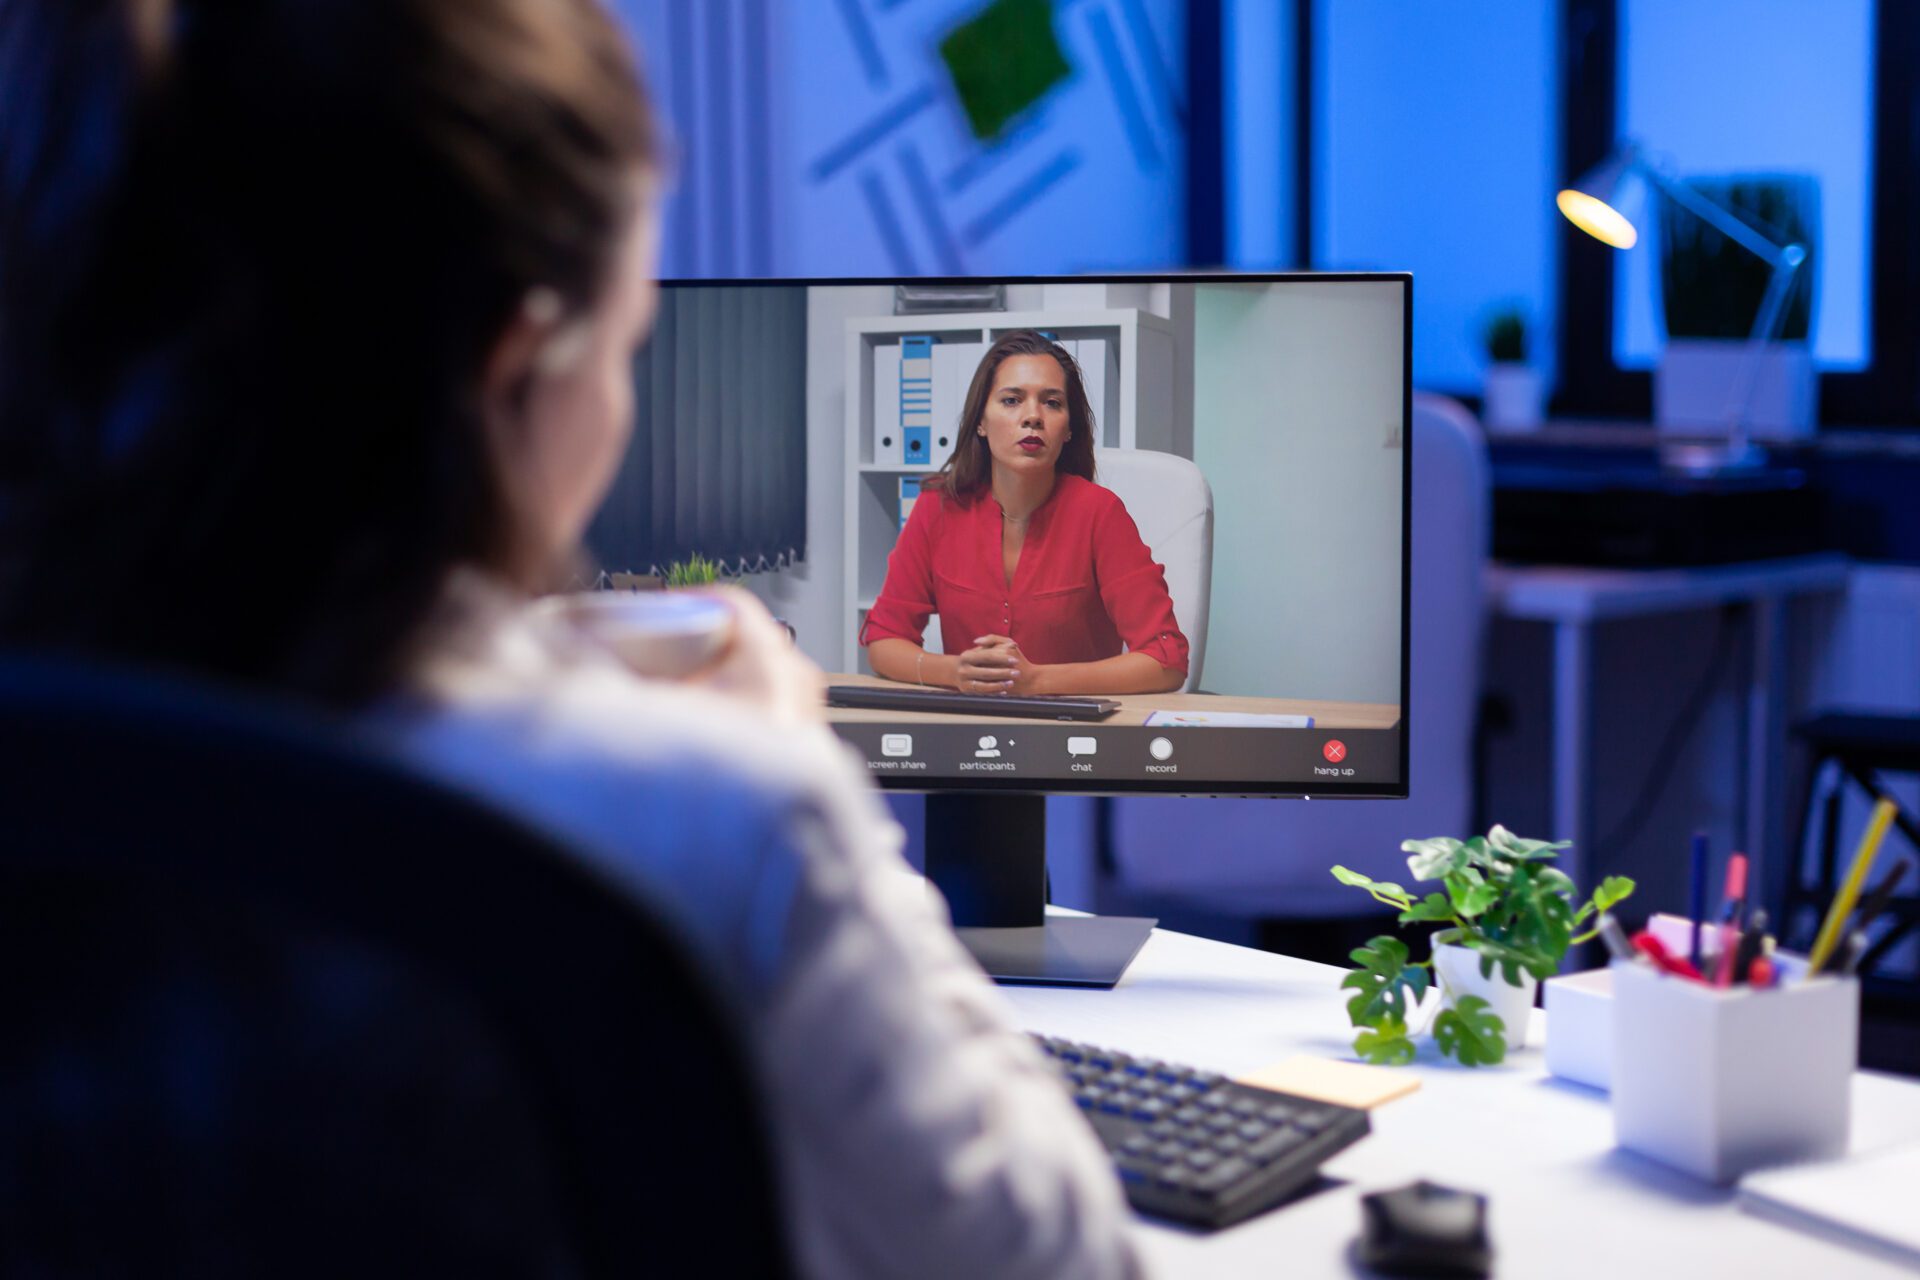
(1615, 939)
(1752, 945)
(1850, 889)
(1697, 894)
(1851, 953)
(1727, 963)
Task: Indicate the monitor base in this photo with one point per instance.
(1066, 951)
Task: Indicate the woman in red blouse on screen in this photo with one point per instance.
(1039, 576)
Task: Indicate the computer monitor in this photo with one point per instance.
(1176, 507)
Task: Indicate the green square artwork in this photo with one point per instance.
(1003, 60)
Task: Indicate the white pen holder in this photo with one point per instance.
(1719, 1081)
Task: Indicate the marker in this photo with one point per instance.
(1735, 898)
(1655, 950)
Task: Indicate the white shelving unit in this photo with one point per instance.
(1136, 412)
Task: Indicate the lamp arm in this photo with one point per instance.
(1773, 310)
(1715, 216)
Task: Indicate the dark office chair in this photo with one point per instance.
(270, 1005)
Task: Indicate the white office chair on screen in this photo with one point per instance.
(1270, 858)
(1170, 501)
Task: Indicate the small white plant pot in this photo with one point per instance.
(1514, 397)
(1458, 969)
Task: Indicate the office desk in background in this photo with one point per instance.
(1565, 1203)
(1574, 600)
(1136, 707)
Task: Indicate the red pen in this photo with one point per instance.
(1655, 950)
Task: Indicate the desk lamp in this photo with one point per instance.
(1599, 203)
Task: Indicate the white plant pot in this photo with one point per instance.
(1699, 379)
(1458, 969)
(1515, 397)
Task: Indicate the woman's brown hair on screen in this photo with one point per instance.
(254, 261)
(969, 470)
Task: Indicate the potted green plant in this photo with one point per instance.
(1511, 389)
(1508, 916)
(695, 571)
(1711, 292)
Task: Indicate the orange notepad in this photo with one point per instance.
(1348, 1084)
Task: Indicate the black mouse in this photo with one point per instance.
(1425, 1230)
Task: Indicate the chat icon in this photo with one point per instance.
(1081, 746)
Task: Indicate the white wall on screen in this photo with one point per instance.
(1298, 403)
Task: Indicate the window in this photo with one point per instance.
(1435, 151)
(1767, 86)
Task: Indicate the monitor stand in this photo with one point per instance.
(988, 855)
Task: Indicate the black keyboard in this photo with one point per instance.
(952, 702)
(1197, 1147)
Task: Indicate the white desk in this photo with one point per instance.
(1574, 599)
(1565, 1203)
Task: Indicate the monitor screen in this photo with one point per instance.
(1063, 535)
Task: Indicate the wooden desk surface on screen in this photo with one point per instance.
(1136, 707)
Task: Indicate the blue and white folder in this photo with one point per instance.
(916, 400)
(909, 491)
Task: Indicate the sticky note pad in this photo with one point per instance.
(1347, 1084)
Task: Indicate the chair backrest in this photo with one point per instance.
(1263, 858)
(275, 1005)
(1171, 503)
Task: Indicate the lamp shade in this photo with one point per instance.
(1605, 199)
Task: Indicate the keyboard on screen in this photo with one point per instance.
(1194, 1146)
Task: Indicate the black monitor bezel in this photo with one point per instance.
(1145, 786)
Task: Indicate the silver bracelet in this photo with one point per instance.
(917, 678)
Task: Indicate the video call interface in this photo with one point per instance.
(1125, 535)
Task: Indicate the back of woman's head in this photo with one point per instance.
(253, 259)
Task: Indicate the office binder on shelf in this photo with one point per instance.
(953, 366)
(916, 400)
(909, 490)
(887, 451)
(886, 407)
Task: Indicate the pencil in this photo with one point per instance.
(1850, 890)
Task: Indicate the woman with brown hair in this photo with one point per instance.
(316, 321)
(1039, 575)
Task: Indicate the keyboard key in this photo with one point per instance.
(1223, 1175)
(1273, 1146)
(1189, 1146)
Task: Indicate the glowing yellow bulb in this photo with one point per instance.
(1597, 218)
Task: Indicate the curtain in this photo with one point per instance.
(718, 462)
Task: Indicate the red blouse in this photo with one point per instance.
(1085, 582)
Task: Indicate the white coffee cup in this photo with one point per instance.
(667, 635)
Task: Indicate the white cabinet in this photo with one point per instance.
(904, 398)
